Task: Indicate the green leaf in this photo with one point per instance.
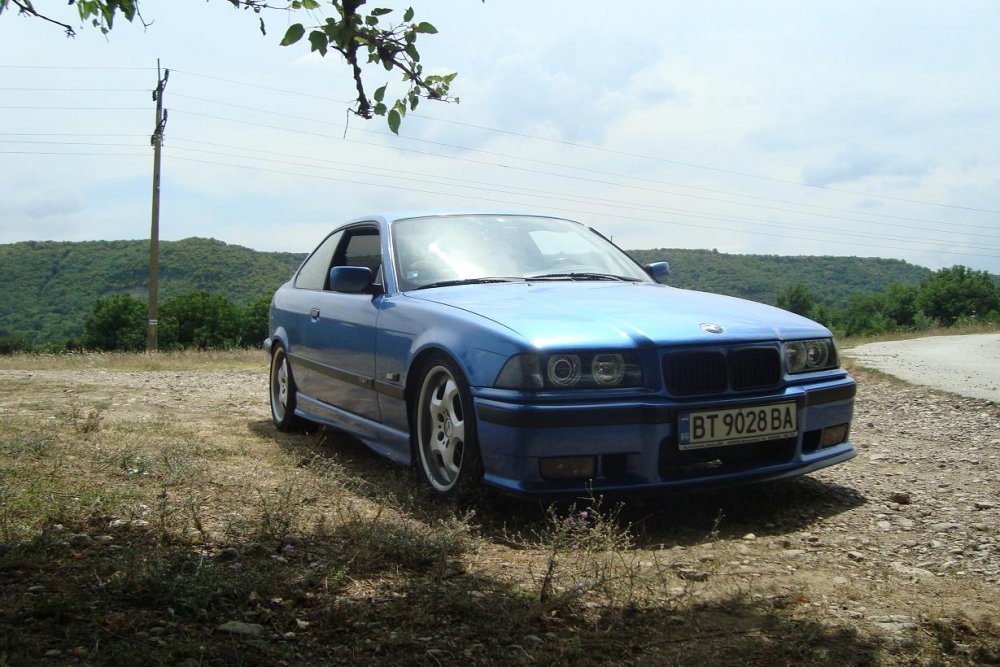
(394, 120)
(411, 51)
(293, 34)
(318, 40)
(426, 27)
(380, 93)
(371, 20)
(387, 64)
(380, 109)
(414, 100)
(408, 16)
(381, 11)
(310, 4)
(263, 30)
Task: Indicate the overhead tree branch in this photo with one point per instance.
(351, 34)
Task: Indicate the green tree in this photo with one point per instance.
(200, 320)
(254, 322)
(117, 322)
(9, 344)
(378, 37)
(901, 304)
(797, 299)
(959, 291)
(864, 316)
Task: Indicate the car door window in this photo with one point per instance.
(315, 271)
(363, 247)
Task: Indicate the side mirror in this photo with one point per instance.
(350, 279)
(658, 271)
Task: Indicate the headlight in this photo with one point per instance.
(564, 370)
(806, 356)
(570, 371)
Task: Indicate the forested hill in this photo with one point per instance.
(762, 277)
(47, 288)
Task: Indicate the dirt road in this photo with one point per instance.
(965, 365)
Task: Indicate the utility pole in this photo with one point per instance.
(154, 229)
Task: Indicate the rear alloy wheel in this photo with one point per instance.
(282, 390)
(445, 427)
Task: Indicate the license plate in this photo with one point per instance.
(737, 426)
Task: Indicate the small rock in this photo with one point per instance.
(856, 556)
(895, 624)
(944, 527)
(900, 497)
(689, 574)
(240, 628)
(81, 541)
(792, 553)
(749, 536)
(915, 572)
(53, 653)
(983, 505)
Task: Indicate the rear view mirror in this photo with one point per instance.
(350, 279)
(658, 271)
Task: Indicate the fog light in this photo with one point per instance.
(834, 435)
(568, 467)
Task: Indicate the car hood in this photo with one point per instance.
(566, 314)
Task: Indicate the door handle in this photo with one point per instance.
(314, 313)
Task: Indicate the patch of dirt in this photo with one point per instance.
(891, 558)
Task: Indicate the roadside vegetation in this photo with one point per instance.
(203, 320)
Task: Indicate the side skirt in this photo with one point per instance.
(379, 438)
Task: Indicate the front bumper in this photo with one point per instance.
(634, 442)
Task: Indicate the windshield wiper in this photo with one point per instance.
(582, 276)
(468, 281)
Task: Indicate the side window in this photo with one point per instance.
(314, 272)
(363, 248)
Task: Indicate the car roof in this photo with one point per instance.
(394, 216)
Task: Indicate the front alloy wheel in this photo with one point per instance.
(446, 430)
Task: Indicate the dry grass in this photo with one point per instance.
(133, 534)
(854, 341)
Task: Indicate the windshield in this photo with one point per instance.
(450, 249)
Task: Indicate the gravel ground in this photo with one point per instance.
(908, 533)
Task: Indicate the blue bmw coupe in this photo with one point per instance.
(530, 354)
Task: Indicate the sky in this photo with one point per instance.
(854, 128)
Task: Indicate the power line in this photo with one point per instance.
(556, 208)
(77, 90)
(577, 167)
(690, 165)
(75, 67)
(407, 175)
(572, 177)
(54, 108)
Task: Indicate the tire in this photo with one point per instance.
(444, 433)
(282, 392)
